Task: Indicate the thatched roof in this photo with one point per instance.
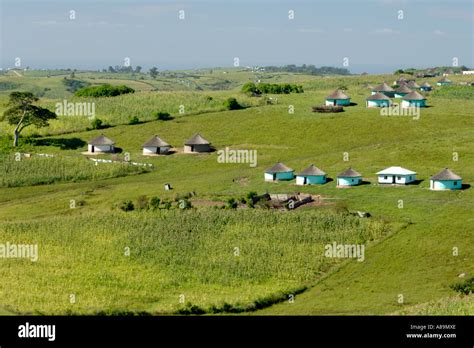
(279, 168)
(197, 139)
(414, 96)
(413, 84)
(426, 84)
(156, 141)
(101, 140)
(444, 79)
(383, 88)
(338, 94)
(312, 170)
(378, 96)
(446, 174)
(403, 89)
(349, 173)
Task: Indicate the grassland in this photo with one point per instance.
(414, 259)
(211, 256)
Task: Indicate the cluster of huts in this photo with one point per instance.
(381, 95)
(444, 180)
(154, 146)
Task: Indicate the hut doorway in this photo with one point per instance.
(274, 176)
(92, 148)
(305, 180)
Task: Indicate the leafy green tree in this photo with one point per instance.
(21, 113)
(153, 72)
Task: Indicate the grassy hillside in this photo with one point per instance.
(415, 260)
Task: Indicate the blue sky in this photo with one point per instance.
(259, 32)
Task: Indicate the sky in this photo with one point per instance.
(361, 35)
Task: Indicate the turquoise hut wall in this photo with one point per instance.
(445, 184)
(409, 103)
(346, 181)
(310, 179)
(378, 103)
(342, 102)
(279, 176)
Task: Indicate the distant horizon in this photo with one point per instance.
(144, 70)
(373, 36)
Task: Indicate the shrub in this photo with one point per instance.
(466, 287)
(231, 203)
(166, 204)
(96, 123)
(250, 89)
(209, 98)
(155, 203)
(133, 120)
(232, 104)
(127, 206)
(105, 90)
(162, 116)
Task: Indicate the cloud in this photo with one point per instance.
(386, 31)
(348, 30)
(439, 32)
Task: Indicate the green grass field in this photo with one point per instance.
(413, 258)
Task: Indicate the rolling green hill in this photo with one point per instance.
(413, 258)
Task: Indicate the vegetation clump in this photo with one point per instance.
(103, 91)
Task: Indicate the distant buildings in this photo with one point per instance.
(338, 98)
(445, 180)
(444, 82)
(402, 91)
(413, 99)
(384, 89)
(378, 100)
(426, 87)
(396, 175)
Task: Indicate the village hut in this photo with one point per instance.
(279, 172)
(338, 98)
(396, 175)
(378, 100)
(444, 82)
(197, 144)
(445, 180)
(413, 85)
(413, 99)
(384, 89)
(101, 144)
(156, 146)
(349, 177)
(402, 91)
(311, 176)
(426, 87)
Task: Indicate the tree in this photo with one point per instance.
(22, 113)
(138, 68)
(153, 72)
